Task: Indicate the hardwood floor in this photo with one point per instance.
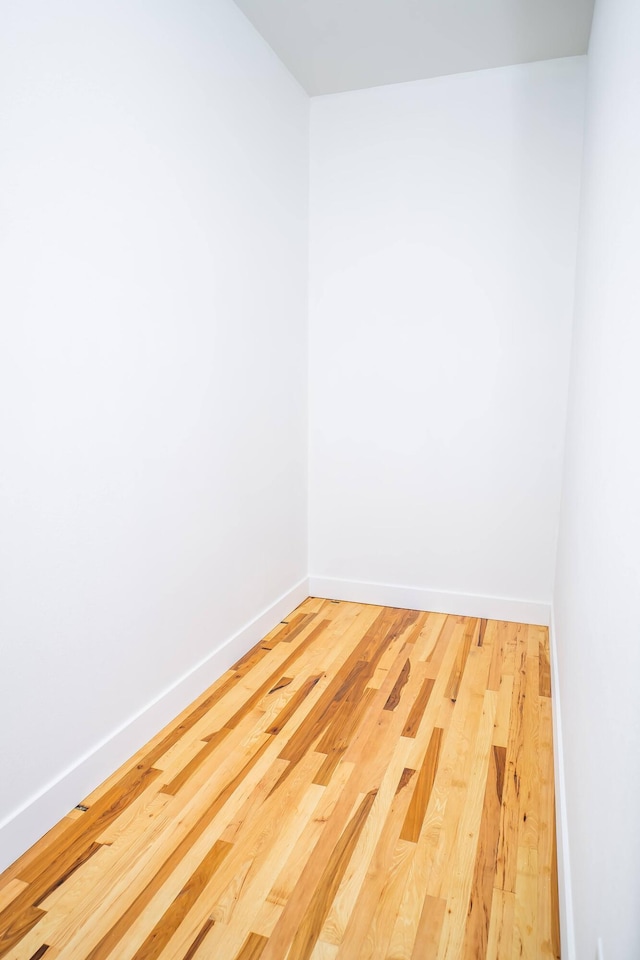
(366, 782)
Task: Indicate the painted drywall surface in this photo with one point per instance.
(597, 593)
(154, 187)
(443, 233)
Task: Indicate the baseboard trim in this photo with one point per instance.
(565, 894)
(23, 827)
(438, 601)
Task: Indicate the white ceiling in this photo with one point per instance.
(335, 45)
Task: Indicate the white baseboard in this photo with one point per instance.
(437, 601)
(567, 928)
(23, 827)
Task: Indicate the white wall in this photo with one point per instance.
(597, 594)
(443, 232)
(154, 187)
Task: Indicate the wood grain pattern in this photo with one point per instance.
(422, 791)
(40, 952)
(253, 947)
(314, 917)
(458, 668)
(394, 697)
(10, 891)
(544, 673)
(366, 783)
(199, 939)
(430, 928)
(479, 908)
(164, 928)
(418, 708)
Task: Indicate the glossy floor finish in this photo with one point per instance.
(367, 782)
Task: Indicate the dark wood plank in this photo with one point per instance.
(416, 713)
(479, 910)
(342, 737)
(18, 925)
(281, 684)
(253, 947)
(422, 791)
(405, 779)
(293, 630)
(457, 670)
(544, 671)
(40, 952)
(245, 665)
(394, 697)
